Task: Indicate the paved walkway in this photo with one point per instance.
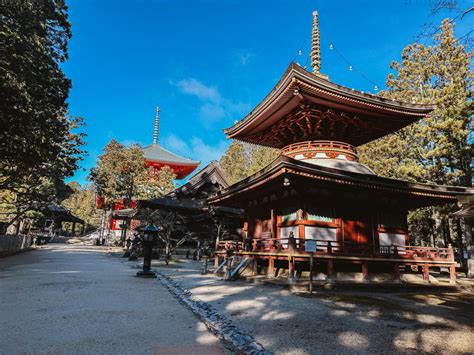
(79, 300)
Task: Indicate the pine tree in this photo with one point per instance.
(437, 149)
(39, 148)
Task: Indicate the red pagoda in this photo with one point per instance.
(316, 198)
(156, 157)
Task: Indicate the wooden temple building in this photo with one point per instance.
(317, 191)
(196, 221)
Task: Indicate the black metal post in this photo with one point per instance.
(311, 272)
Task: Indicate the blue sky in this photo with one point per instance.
(208, 63)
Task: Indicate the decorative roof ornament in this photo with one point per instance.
(315, 54)
(157, 126)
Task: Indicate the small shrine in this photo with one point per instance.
(318, 190)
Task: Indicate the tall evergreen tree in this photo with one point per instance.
(439, 148)
(37, 143)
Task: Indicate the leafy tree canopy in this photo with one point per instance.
(82, 204)
(121, 173)
(242, 160)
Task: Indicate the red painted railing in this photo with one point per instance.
(323, 247)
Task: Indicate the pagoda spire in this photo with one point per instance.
(315, 53)
(157, 126)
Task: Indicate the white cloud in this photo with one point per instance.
(211, 112)
(206, 152)
(195, 149)
(214, 106)
(196, 88)
(175, 144)
(244, 58)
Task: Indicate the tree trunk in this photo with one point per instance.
(459, 242)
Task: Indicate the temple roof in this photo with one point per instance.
(304, 106)
(157, 153)
(305, 176)
(61, 213)
(211, 174)
(193, 195)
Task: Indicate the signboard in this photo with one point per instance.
(310, 246)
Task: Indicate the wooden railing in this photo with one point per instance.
(321, 146)
(323, 247)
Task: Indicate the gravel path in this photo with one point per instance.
(337, 322)
(79, 300)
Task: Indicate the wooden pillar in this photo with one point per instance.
(396, 273)
(301, 237)
(426, 272)
(452, 273)
(73, 229)
(271, 267)
(365, 271)
(216, 261)
(330, 275)
(255, 266)
(273, 223)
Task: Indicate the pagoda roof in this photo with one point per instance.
(305, 175)
(156, 153)
(304, 106)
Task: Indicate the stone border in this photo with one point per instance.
(216, 323)
(15, 243)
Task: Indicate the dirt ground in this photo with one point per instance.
(63, 299)
(338, 321)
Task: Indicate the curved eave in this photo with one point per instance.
(173, 163)
(289, 166)
(282, 99)
(155, 153)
